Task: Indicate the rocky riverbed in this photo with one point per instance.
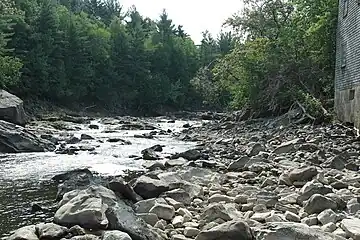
(260, 179)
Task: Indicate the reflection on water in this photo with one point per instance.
(24, 178)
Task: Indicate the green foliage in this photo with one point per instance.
(284, 47)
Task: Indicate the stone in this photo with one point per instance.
(311, 188)
(85, 237)
(24, 233)
(176, 162)
(310, 221)
(255, 149)
(220, 198)
(191, 155)
(238, 164)
(179, 195)
(94, 126)
(12, 109)
(340, 232)
(302, 174)
(163, 211)
(286, 147)
(327, 216)
(115, 235)
(149, 218)
(86, 137)
(147, 187)
(50, 231)
(329, 227)
(81, 208)
(317, 203)
(144, 206)
(260, 216)
(215, 211)
(124, 189)
(353, 208)
(149, 154)
(241, 199)
(174, 203)
(351, 227)
(177, 221)
(274, 217)
(191, 232)
(292, 217)
(16, 139)
(232, 230)
(287, 230)
(339, 161)
(77, 230)
(179, 237)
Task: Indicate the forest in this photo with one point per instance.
(78, 53)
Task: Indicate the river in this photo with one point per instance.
(25, 178)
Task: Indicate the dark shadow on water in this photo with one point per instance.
(16, 199)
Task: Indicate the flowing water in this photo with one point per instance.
(25, 178)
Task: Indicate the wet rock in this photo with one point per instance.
(35, 207)
(190, 155)
(153, 165)
(233, 230)
(115, 235)
(50, 138)
(16, 139)
(145, 135)
(149, 154)
(50, 231)
(176, 162)
(125, 190)
(86, 137)
(24, 233)
(11, 108)
(94, 126)
(119, 141)
(302, 174)
(147, 187)
(318, 203)
(73, 140)
(163, 211)
(292, 231)
(351, 227)
(136, 126)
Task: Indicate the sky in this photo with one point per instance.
(195, 15)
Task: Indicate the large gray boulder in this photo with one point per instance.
(11, 108)
(16, 139)
(24, 233)
(98, 207)
(277, 231)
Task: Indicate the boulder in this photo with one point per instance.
(50, 231)
(16, 139)
(24, 233)
(163, 211)
(98, 207)
(124, 190)
(233, 230)
(318, 203)
(115, 235)
(275, 231)
(147, 187)
(11, 108)
(351, 227)
(302, 174)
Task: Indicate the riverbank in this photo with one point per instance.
(259, 179)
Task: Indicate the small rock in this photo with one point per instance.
(310, 221)
(149, 188)
(329, 227)
(149, 218)
(241, 199)
(77, 230)
(327, 216)
(214, 212)
(179, 237)
(232, 230)
(179, 195)
(191, 232)
(94, 126)
(302, 174)
(86, 137)
(144, 206)
(220, 198)
(178, 221)
(163, 211)
(292, 217)
(50, 231)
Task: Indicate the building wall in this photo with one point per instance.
(347, 69)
